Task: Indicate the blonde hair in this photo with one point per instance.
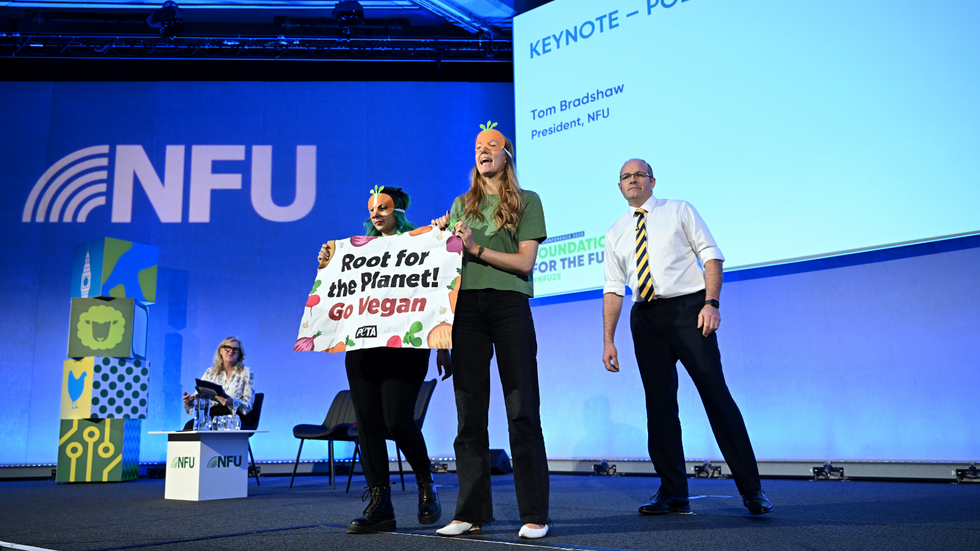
(510, 206)
(219, 363)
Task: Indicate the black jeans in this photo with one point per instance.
(664, 331)
(384, 385)
(486, 321)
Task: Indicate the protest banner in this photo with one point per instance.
(398, 292)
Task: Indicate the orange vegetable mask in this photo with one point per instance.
(490, 137)
(381, 202)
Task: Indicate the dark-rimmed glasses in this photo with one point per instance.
(630, 176)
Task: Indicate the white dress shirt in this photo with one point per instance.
(677, 238)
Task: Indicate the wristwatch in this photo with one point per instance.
(711, 302)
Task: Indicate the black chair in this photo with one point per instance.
(340, 418)
(421, 406)
(251, 422)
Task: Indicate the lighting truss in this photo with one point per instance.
(210, 4)
(457, 16)
(446, 50)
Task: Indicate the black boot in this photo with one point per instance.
(379, 515)
(429, 509)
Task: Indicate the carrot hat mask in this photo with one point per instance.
(381, 202)
(491, 138)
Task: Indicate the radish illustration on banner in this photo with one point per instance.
(396, 292)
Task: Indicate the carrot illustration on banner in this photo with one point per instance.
(454, 290)
(341, 346)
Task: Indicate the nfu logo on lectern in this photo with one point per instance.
(78, 183)
(183, 462)
(221, 461)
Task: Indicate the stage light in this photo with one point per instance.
(169, 19)
(349, 13)
(604, 469)
(707, 471)
(967, 475)
(827, 472)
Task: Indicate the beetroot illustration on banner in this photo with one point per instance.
(361, 240)
(305, 344)
(454, 245)
(390, 292)
(314, 299)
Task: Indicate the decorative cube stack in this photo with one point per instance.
(105, 384)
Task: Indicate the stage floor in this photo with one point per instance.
(588, 513)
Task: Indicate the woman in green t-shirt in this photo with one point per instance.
(501, 226)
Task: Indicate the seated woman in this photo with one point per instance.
(230, 372)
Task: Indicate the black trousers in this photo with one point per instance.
(486, 321)
(665, 331)
(384, 385)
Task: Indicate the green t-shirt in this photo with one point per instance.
(477, 274)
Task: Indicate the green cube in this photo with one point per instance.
(113, 327)
(99, 450)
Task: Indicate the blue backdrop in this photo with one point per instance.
(862, 358)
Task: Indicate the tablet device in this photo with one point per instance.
(207, 388)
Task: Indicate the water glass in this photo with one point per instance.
(202, 418)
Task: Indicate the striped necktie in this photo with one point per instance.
(643, 278)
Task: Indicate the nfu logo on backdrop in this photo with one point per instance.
(79, 182)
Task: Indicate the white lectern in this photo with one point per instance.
(210, 464)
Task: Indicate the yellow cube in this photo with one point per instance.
(105, 388)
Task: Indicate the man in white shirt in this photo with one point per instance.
(658, 249)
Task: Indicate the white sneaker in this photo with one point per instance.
(529, 533)
(458, 529)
